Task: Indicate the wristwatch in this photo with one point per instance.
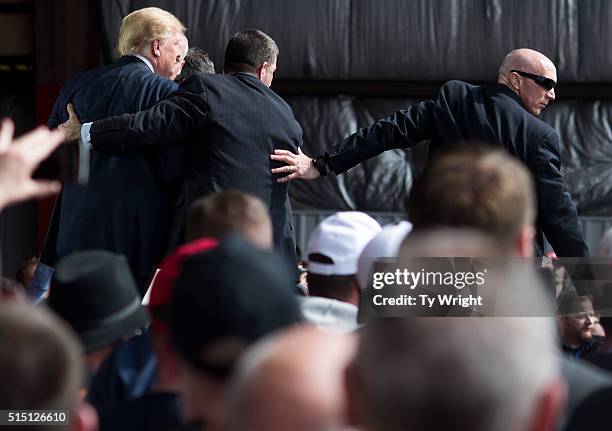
(321, 164)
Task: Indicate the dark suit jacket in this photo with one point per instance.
(488, 114)
(127, 204)
(231, 123)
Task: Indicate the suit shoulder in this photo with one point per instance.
(455, 85)
(455, 91)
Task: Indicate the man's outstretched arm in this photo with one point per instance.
(403, 129)
(166, 123)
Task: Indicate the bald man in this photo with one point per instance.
(505, 114)
(292, 381)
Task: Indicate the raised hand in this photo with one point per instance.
(20, 157)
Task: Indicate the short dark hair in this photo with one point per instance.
(218, 214)
(21, 275)
(41, 360)
(248, 49)
(339, 287)
(196, 61)
(474, 186)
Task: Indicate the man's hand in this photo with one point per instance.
(298, 166)
(20, 157)
(72, 126)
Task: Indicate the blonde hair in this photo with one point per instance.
(143, 26)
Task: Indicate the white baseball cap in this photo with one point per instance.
(385, 244)
(341, 237)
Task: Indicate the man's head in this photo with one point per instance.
(224, 300)
(385, 244)
(196, 61)
(532, 76)
(463, 374)
(292, 381)
(40, 365)
(479, 188)
(168, 375)
(333, 251)
(157, 35)
(26, 270)
(252, 51)
(219, 214)
(576, 319)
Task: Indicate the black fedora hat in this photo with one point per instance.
(95, 292)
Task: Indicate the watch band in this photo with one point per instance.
(320, 163)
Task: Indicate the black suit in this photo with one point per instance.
(231, 124)
(488, 114)
(126, 206)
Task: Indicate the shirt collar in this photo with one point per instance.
(507, 90)
(146, 61)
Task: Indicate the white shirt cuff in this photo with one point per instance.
(85, 136)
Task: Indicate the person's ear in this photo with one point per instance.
(85, 418)
(156, 48)
(548, 406)
(525, 241)
(513, 79)
(261, 70)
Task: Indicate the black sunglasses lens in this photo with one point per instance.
(546, 83)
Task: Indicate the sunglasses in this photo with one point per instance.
(546, 83)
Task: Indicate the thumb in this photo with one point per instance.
(71, 113)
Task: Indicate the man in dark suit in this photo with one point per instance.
(231, 123)
(504, 114)
(127, 203)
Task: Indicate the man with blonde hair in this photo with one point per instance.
(157, 35)
(125, 208)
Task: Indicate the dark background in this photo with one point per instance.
(342, 64)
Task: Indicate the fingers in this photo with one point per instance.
(287, 178)
(6, 133)
(38, 144)
(71, 113)
(284, 152)
(42, 189)
(286, 159)
(284, 169)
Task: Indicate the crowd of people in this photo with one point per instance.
(169, 295)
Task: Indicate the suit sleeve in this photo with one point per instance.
(166, 123)
(59, 113)
(557, 214)
(403, 129)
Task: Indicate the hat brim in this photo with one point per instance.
(103, 336)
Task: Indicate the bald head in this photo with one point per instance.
(292, 381)
(524, 59)
(534, 96)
